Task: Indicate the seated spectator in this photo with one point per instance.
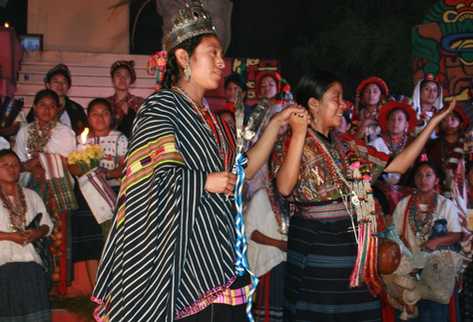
(397, 120)
(44, 134)
(371, 94)
(23, 285)
(70, 113)
(124, 104)
(426, 222)
(426, 99)
(87, 237)
(447, 152)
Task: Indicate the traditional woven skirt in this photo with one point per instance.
(87, 237)
(23, 293)
(270, 300)
(222, 312)
(321, 256)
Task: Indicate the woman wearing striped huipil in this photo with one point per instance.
(170, 253)
(327, 178)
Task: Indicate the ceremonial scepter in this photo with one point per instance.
(244, 136)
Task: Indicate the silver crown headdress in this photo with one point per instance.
(190, 21)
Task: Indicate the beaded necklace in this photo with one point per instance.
(212, 126)
(38, 137)
(395, 148)
(421, 220)
(16, 209)
(329, 162)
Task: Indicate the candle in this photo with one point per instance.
(83, 139)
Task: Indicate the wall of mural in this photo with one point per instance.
(443, 47)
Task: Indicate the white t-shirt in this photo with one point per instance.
(11, 252)
(260, 216)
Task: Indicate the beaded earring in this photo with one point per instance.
(187, 73)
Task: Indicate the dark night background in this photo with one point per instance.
(353, 38)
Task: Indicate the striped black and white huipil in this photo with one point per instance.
(172, 242)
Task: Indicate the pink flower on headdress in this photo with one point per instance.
(355, 165)
(424, 157)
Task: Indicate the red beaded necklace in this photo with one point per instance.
(212, 125)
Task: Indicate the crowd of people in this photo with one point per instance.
(326, 180)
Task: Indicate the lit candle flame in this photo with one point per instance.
(6, 25)
(83, 136)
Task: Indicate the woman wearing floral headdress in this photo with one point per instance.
(332, 262)
(170, 254)
(371, 93)
(397, 120)
(124, 104)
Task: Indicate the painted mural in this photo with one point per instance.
(443, 47)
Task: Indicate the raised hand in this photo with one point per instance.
(445, 111)
(299, 121)
(286, 113)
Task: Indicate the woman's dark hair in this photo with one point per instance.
(236, 79)
(46, 93)
(5, 152)
(438, 171)
(59, 69)
(105, 102)
(173, 71)
(426, 81)
(314, 84)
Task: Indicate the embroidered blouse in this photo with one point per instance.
(315, 182)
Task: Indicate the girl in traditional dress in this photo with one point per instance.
(171, 252)
(414, 219)
(397, 120)
(371, 94)
(87, 236)
(448, 152)
(266, 225)
(46, 137)
(327, 179)
(23, 285)
(124, 104)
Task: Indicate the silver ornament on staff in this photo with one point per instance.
(244, 135)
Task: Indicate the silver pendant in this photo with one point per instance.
(355, 201)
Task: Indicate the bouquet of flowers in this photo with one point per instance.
(87, 157)
(95, 189)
